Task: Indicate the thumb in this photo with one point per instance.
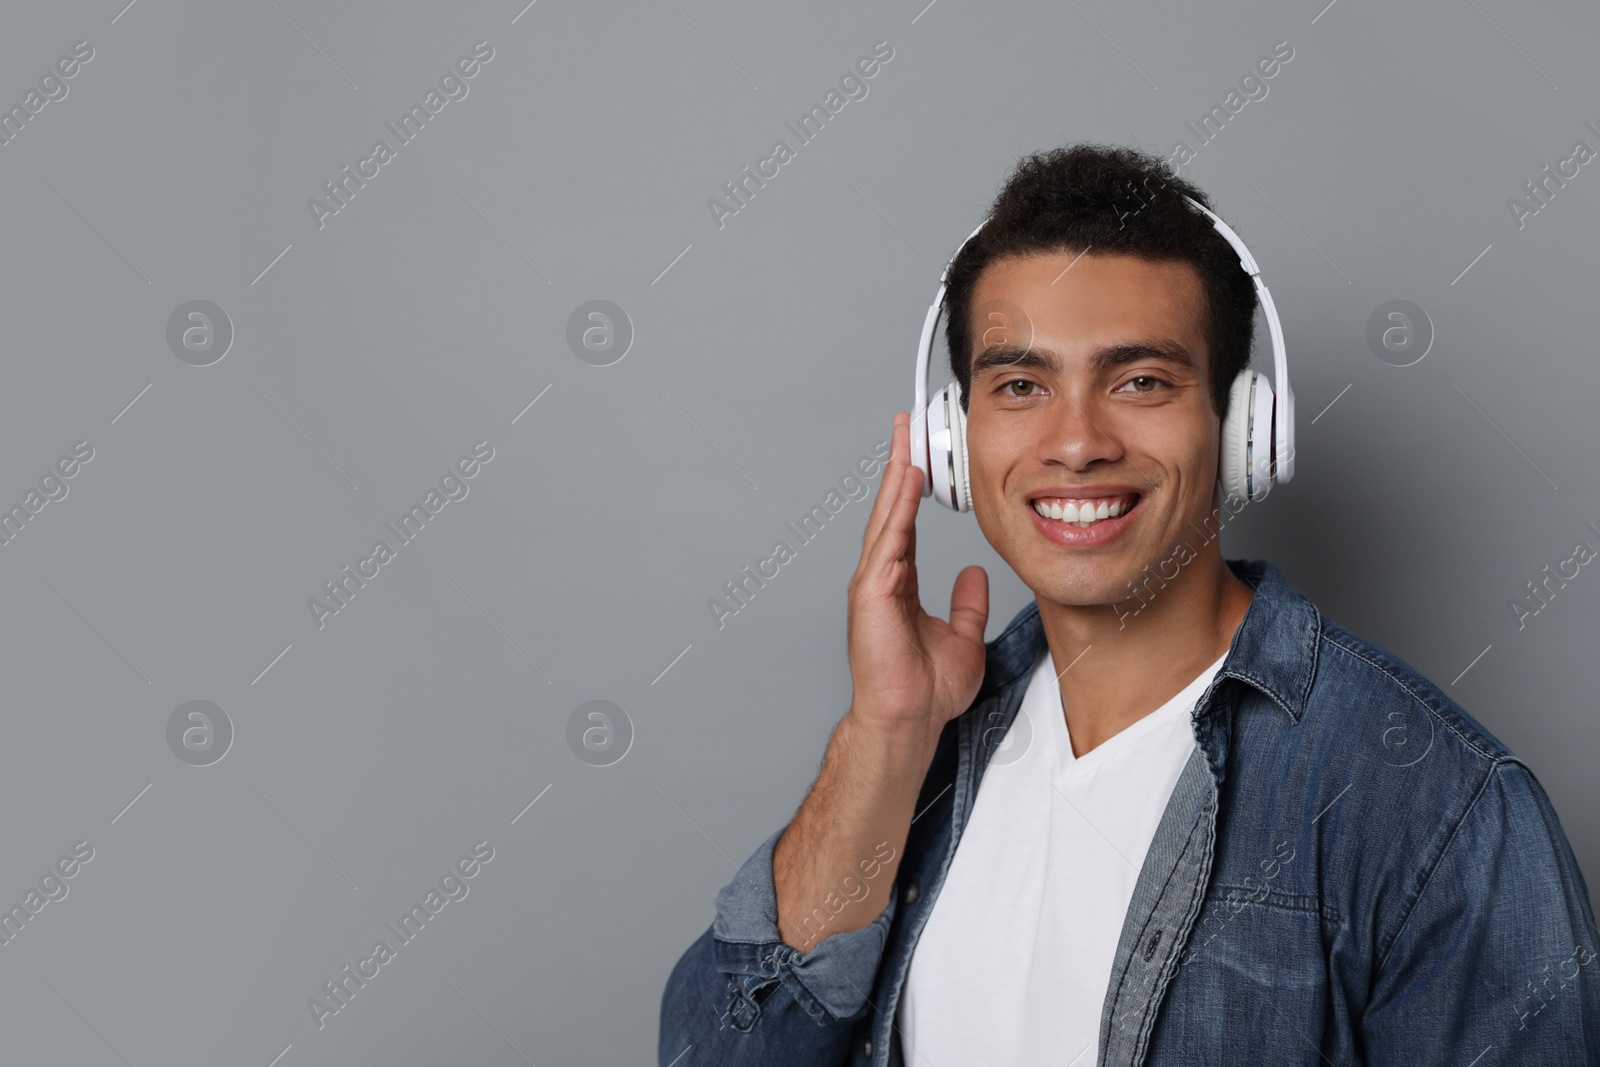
(969, 603)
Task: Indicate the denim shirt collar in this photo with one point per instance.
(1274, 649)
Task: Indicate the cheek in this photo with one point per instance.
(986, 468)
(994, 447)
(1186, 448)
(987, 463)
(988, 510)
(1207, 459)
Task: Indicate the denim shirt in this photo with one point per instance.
(1351, 870)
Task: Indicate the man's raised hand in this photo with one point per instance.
(907, 667)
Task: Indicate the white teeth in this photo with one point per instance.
(1084, 515)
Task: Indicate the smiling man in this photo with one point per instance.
(1195, 822)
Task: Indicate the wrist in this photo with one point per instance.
(892, 744)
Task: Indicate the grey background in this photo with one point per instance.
(767, 360)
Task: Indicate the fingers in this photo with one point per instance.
(909, 588)
(969, 602)
(894, 539)
(894, 470)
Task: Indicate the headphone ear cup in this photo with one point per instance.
(958, 451)
(1235, 443)
(947, 449)
(940, 444)
(1261, 439)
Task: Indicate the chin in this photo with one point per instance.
(1080, 583)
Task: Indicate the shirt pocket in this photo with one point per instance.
(1252, 983)
(1272, 938)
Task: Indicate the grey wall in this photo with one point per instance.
(369, 354)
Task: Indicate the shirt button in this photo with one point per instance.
(910, 894)
(869, 1048)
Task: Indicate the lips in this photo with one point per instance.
(1079, 530)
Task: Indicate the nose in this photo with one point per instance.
(1078, 434)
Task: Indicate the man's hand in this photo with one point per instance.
(908, 667)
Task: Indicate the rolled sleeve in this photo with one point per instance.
(1499, 954)
(741, 995)
(834, 978)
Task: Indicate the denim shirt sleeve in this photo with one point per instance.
(740, 995)
(1499, 953)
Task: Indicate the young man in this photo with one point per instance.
(1189, 821)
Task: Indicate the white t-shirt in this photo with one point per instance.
(1013, 963)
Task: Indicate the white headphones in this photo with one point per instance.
(1257, 448)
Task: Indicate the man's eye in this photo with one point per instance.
(1019, 381)
(1154, 381)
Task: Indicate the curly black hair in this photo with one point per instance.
(1108, 199)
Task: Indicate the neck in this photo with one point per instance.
(1116, 666)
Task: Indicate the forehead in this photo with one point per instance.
(1092, 298)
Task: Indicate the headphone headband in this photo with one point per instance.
(929, 324)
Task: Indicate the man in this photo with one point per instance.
(1180, 821)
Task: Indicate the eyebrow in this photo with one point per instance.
(1162, 349)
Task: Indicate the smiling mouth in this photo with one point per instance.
(1083, 512)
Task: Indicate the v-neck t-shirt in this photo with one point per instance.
(1014, 960)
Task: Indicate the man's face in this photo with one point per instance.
(1090, 384)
